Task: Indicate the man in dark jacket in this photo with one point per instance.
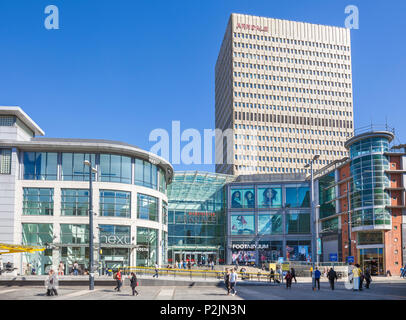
(134, 283)
(332, 275)
(368, 278)
(293, 274)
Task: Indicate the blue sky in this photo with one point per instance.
(119, 69)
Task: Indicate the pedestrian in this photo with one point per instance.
(156, 271)
(212, 265)
(280, 274)
(272, 276)
(293, 273)
(288, 279)
(317, 275)
(51, 283)
(332, 275)
(75, 268)
(355, 277)
(61, 269)
(227, 280)
(233, 281)
(133, 283)
(368, 278)
(361, 279)
(184, 264)
(189, 265)
(403, 272)
(117, 277)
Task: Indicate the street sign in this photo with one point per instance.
(333, 257)
(350, 259)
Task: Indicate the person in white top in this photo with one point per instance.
(233, 281)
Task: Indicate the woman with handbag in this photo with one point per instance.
(133, 283)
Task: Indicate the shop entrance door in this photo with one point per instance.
(372, 258)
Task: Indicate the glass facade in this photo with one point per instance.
(196, 217)
(145, 174)
(369, 197)
(74, 202)
(38, 201)
(327, 194)
(5, 161)
(260, 233)
(37, 234)
(115, 203)
(114, 242)
(40, 165)
(147, 207)
(147, 247)
(73, 167)
(115, 168)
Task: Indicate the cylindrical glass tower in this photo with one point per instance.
(369, 180)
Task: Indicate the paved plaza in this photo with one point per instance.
(394, 290)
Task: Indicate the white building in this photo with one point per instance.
(284, 88)
(44, 199)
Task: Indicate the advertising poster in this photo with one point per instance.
(242, 198)
(270, 197)
(242, 224)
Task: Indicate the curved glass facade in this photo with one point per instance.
(69, 166)
(369, 197)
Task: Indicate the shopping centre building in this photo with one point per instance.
(197, 217)
(44, 199)
(367, 189)
(268, 217)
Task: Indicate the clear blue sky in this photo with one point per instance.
(119, 69)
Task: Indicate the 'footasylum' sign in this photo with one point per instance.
(249, 246)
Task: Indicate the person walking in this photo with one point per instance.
(355, 277)
(317, 275)
(293, 273)
(133, 283)
(61, 269)
(227, 281)
(361, 279)
(156, 271)
(233, 281)
(403, 272)
(75, 268)
(288, 279)
(117, 277)
(368, 278)
(272, 276)
(189, 265)
(332, 275)
(51, 283)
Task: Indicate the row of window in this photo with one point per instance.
(75, 202)
(333, 123)
(270, 169)
(292, 41)
(111, 168)
(290, 99)
(291, 130)
(290, 89)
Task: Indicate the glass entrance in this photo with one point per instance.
(196, 258)
(372, 258)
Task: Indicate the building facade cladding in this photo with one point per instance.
(285, 88)
(374, 178)
(196, 218)
(45, 200)
(268, 217)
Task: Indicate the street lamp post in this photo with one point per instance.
(312, 212)
(91, 255)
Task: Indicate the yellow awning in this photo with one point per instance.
(17, 248)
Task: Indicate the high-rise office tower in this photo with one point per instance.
(284, 88)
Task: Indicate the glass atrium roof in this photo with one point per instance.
(189, 189)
